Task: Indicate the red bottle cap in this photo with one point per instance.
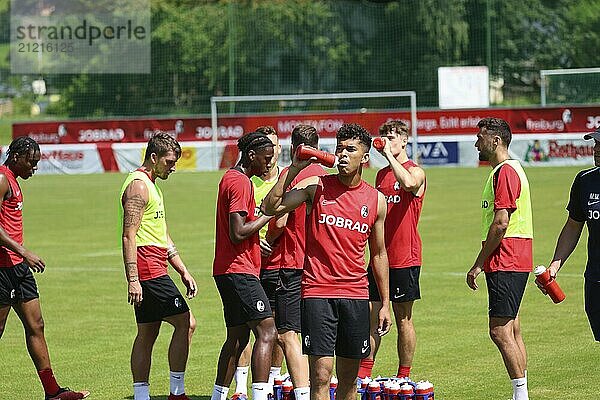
(379, 143)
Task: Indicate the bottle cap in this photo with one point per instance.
(540, 269)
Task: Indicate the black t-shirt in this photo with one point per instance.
(584, 206)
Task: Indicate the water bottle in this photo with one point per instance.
(424, 391)
(333, 387)
(374, 391)
(306, 152)
(277, 387)
(542, 277)
(287, 390)
(406, 392)
(379, 143)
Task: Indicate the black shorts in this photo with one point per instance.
(269, 279)
(287, 300)
(592, 305)
(243, 298)
(505, 292)
(17, 284)
(160, 299)
(336, 326)
(404, 285)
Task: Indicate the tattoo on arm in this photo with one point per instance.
(131, 269)
(133, 211)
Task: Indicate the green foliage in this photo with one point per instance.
(72, 223)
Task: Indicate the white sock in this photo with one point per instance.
(141, 391)
(261, 390)
(302, 393)
(219, 393)
(176, 382)
(275, 371)
(520, 389)
(241, 380)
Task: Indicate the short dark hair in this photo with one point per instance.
(22, 146)
(160, 144)
(497, 126)
(267, 130)
(253, 141)
(305, 134)
(354, 131)
(394, 126)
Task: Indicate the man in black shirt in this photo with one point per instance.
(584, 207)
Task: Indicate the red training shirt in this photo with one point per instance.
(235, 195)
(11, 219)
(337, 230)
(402, 239)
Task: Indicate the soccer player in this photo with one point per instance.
(287, 235)
(262, 185)
(403, 185)
(147, 248)
(18, 289)
(343, 214)
(584, 208)
(236, 269)
(506, 255)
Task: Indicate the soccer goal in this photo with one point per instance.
(569, 86)
(297, 100)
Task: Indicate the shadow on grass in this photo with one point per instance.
(165, 397)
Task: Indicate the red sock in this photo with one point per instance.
(403, 371)
(366, 367)
(48, 381)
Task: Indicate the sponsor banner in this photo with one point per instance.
(550, 120)
(541, 152)
(67, 159)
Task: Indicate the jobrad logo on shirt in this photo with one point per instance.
(345, 223)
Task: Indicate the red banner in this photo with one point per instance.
(554, 120)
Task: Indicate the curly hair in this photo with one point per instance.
(354, 131)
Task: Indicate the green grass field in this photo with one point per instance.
(71, 221)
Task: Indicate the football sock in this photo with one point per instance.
(302, 393)
(141, 391)
(241, 380)
(520, 389)
(366, 368)
(261, 390)
(48, 381)
(176, 382)
(219, 393)
(403, 371)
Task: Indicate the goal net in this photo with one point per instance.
(570, 86)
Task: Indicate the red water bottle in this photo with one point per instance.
(379, 143)
(333, 384)
(406, 392)
(374, 391)
(286, 392)
(543, 278)
(327, 159)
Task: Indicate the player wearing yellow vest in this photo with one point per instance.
(147, 248)
(506, 255)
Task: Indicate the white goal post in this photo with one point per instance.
(319, 96)
(544, 73)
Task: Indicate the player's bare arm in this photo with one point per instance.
(178, 265)
(411, 179)
(276, 227)
(272, 203)
(302, 192)
(240, 229)
(36, 264)
(494, 237)
(134, 200)
(381, 265)
(566, 243)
